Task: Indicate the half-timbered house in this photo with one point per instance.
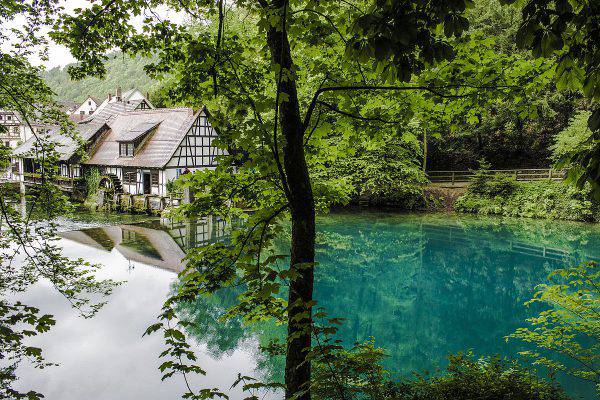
(139, 151)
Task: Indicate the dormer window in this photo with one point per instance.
(131, 140)
(126, 149)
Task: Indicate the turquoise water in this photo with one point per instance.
(427, 286)
(422, 286)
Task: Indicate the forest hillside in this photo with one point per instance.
(121, 70)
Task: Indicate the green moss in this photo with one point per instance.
(125, 202)
(541, 199)
(139, 204)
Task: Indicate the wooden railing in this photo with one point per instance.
(65, 183)
(455, 177)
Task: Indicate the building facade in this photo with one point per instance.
(89, 105)
(137, 151)
(15, 130)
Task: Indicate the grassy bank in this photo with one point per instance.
(546, 199)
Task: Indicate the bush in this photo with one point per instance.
(486, 183)
(92, 183)
(545, 199)
(493, 185)
(490, 378)
(357, 374)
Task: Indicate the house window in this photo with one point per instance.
(154, 177)
(9, 117)
(29, 165)
(16, 130)
(89, 103)
(129, 176)
(126, 149)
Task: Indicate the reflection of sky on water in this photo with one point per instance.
(106, 357)
(422, 286)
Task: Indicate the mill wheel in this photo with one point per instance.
(111, 183)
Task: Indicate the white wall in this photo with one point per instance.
(87, 107)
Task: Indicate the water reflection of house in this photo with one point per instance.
(161, 243)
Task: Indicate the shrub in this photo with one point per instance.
(126, 202)
(489, 378)
(494, 185)
(486, 183)
(357, 373)
(541, 199)
(92, 183)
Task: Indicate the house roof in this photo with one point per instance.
(138, 131)
(169, 127)
(127, 94)
(109, 110)
(67, 105)
(65, 145)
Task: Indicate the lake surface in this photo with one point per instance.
(423, 286)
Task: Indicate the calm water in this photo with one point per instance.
(422, 286)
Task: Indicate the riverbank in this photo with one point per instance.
(540, 200)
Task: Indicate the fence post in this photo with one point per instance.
(452, 178)
(550, 173)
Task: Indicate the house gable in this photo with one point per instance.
(196, 149)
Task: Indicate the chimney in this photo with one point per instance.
(109, 97)
(147, 95)
(119, 93)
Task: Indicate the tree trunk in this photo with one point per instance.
(302, 207)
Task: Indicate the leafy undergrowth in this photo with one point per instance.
(357, 373)
(541, 199)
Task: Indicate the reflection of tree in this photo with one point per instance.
(421, 295)
(421, 286)
(210, 327)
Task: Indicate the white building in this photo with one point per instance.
(137, 151)
(89, 105)
(15, 130)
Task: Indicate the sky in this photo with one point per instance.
(59, 55)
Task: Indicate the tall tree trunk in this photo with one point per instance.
(302, 207)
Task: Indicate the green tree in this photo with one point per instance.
(28, 249)
(298, 84)
(569, 33)
(568, 331)
(124, 71)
